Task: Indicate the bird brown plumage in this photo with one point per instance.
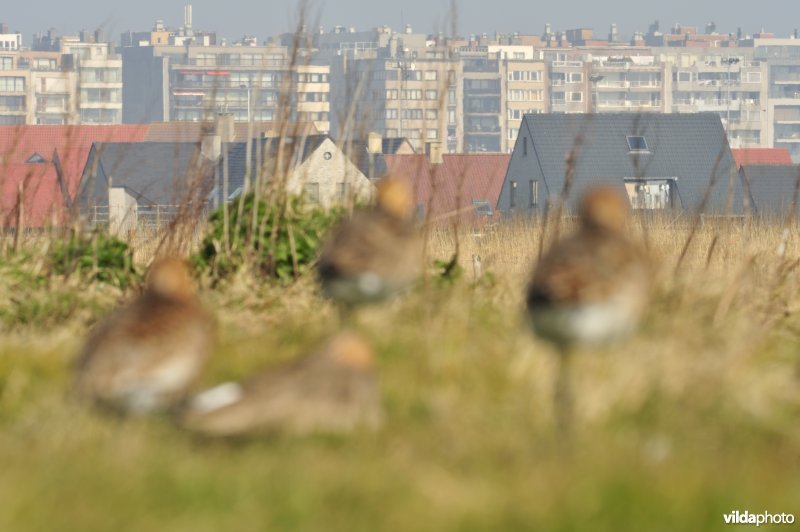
(376, 253)
(145, 355)
(332, 390)
(590, 288)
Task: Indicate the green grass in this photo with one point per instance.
(696, 416)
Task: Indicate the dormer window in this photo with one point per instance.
(637, 143)
(36, 159)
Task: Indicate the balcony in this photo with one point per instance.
(628, 104)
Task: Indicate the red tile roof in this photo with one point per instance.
(42, 192)
(754, 156)
(450, 188)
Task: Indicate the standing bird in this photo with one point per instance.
(332, 390)
(590, 288)
(376, 253)
(146, 354)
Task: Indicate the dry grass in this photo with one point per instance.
(696, 416)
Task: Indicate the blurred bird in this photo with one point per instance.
(146, 354)
(374, 254)
(333, 390)
(590, 288)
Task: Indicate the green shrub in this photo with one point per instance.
(298, 235)
(95, 257)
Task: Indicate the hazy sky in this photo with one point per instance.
(233, 18)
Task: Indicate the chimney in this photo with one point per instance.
(211, 146)
(374, 143)
(435, 152)
(225, 129)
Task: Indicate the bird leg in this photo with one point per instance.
(563, 399)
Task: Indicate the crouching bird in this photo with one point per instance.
(375, 253)
(590, 288)
(146, 354)
(332, 390)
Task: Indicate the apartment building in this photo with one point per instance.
(498, 92)
(195, 82)
(79, 83)
(416, 98)
(783, 103)
(630, 84)
(730, 83)
(99, 71)
(9, 42)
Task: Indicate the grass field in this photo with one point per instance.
(698, 415)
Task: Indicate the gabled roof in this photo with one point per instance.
(392, 145)
(688, 148)
(40, 191)
(193, 131)
(155, 173)
(294, 151)
(70, 143)
(772, 187)
(450, 189)
(373, 165)
(759, 156)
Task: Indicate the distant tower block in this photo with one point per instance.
(187, 19)
(613, 35)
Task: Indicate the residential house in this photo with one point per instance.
(370, 155)
(453, 188)
(663, 161)
(773, 189)
(312, 166)
(130, 183)
(46, 163)
(761, 156)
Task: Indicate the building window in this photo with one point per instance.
(431, 94)
(512, 195)
(637, 143)
(431, 114)
(432, 134)
(12, 84)
(431, 75)
(576, 96)
(341, 190)
(651, 194)
(482, 207)
(524, 146)
(534, 200)
(312, 192)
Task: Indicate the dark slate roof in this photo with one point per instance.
(390, 145)
(295, 151)
(687, 147)
(155, 173)
(372, 165)
(771, 187)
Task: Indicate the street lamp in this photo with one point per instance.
(595, 79)
(728, 61)
(243, 86)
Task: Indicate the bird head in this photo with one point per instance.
(395, 197)
(169, 277)
(604, 207)
(351, 350)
